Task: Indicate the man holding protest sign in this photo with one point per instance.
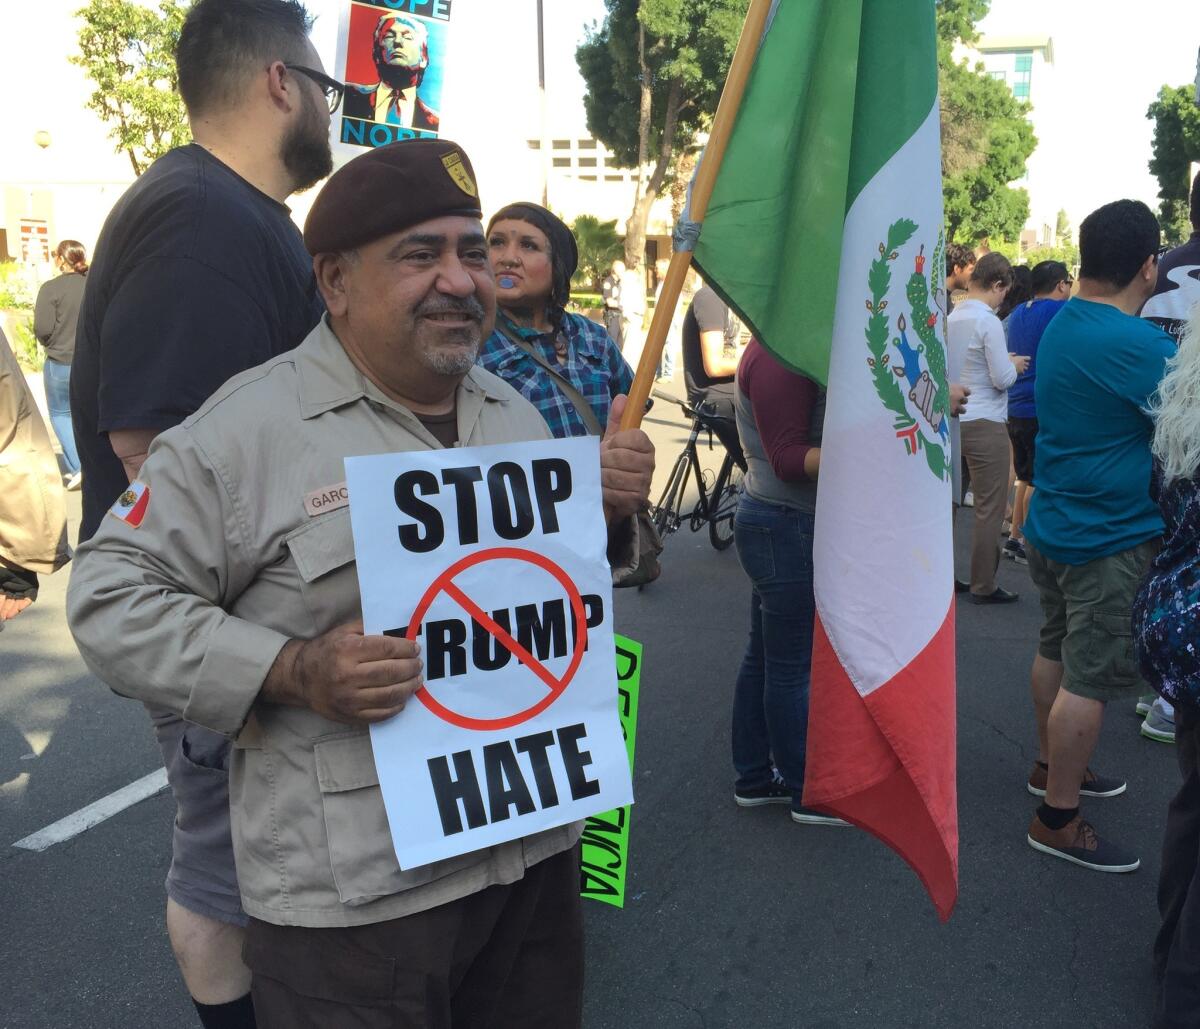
(232, 595)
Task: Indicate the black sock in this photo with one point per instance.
(237, 1014)
(1056, 817)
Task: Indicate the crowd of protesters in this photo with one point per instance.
(1076, 426)
(1099, 404)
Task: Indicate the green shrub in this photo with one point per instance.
(587, 300)
(1068, 255)
(30, 356)
(1010, 250)
(16, 287)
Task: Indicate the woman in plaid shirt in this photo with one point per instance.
(534, 256)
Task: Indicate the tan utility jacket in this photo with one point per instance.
(190, 609)
(33, 520)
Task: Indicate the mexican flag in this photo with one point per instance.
(824, 233)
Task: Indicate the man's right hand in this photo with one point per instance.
(958, 398)
(346, 676)
(1020, 362)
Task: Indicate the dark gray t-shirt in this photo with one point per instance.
(56, 315)
(706, 313)
(197, 276)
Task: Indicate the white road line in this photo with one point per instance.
(38, 741)
(83, 819)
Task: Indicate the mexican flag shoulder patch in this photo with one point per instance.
(132, 504)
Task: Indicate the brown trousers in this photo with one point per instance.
(988, 453)
(509, 957)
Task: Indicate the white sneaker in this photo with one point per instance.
(75, 481)
(968, 499)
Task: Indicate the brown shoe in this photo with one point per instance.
(1093, 785)
(1078, 843)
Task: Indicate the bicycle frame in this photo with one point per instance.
(668, 512)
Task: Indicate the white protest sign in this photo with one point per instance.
(493, 558)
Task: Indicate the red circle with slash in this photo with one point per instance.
(554, 684)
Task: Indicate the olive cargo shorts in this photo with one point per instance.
(1088, 624)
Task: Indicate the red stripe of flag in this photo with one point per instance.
(886, 761)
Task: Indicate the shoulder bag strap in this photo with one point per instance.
(582, 407)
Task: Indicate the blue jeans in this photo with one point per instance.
(770, 701)
(57, 379)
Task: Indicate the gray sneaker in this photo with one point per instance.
(1144, 703)
(807, 816)
(1159, 725)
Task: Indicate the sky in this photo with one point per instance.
(1110, 59)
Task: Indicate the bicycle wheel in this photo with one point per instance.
(665, 514)
(724, 504)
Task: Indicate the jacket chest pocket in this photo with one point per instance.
(323, 553)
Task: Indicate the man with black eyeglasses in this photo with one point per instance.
(199, 274)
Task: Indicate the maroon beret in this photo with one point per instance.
(389, 189)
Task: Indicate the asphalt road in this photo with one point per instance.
(734, 918)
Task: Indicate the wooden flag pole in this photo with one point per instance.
(706, 176)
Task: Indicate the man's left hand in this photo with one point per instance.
(10, 607)
(626, 466)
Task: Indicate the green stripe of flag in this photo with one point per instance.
(836, 90)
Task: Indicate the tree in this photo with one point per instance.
(1067, 253)
(1062, 229)
(1176, 144)
(599, 245)
(666, 60)
(986, 137)
(128, 51)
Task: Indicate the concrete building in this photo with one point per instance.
(582, 178)
(1026, 65)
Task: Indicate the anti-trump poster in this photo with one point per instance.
(392, 57)
(493, 560)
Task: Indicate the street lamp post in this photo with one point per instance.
(37, 245)
(545, 139)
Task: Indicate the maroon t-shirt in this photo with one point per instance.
(780, 417)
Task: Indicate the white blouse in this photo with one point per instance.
(978, 359)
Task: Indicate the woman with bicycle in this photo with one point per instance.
(779, 419)
(538, 348)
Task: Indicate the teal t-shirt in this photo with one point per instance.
(1097, 371)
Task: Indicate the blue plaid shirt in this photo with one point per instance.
(594, 366)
